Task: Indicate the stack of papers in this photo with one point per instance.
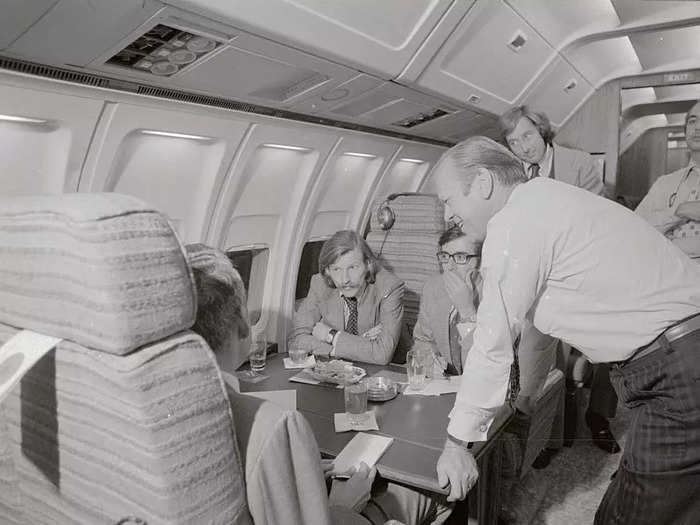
(304, 377)
(363, 448)
(343, 424)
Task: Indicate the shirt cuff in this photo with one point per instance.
(469, 425)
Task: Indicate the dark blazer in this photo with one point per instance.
(380, 302)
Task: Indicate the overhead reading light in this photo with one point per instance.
(25, 120)
(413, 161)
(570, 86)
(363, 155)
(163, 50)
(517, 41)
(175, 135)
(473, 99)
(283, 146)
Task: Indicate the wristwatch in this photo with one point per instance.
(331, 335)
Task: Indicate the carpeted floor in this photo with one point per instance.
(569, 489)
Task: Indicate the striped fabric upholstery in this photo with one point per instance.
(408, 250)
(103, 270)
(90, 435)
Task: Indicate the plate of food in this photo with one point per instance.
(337, 371)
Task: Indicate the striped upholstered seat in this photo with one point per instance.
(408, 250)
(128, 416)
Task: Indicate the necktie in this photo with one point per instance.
(351, 322)
(534, 171)
(514, 383)
(455, 343)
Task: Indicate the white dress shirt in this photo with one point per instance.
(585, 270)
(659, 207)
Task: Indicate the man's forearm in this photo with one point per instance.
(689, 210)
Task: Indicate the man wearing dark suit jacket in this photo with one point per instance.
(529, 135)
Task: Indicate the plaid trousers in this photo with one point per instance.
(658, 480)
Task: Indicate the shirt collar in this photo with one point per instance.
(545, 164)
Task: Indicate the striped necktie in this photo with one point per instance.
(351, 322)
(534, 171)
(514, 383)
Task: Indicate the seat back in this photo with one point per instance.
(127, 417)
(408, 250)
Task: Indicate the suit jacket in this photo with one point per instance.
(381, 302)
(284, 480)
(577, 168)
(432, 330)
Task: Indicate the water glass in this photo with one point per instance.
(356, 402)
(258, 353)
(415, 368)
(297, 354)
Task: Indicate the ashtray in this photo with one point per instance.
(381, 388)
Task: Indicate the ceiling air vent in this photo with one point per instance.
(517, 41)
(421, 118)
(163, 51)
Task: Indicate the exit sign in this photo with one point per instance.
(678, 77)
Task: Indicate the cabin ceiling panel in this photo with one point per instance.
(322, 102)
(176, 161)
(457, 126)
(18, 16)
(562, 20)
(45, 139)
(558, 92)
(599, 60)
(477, 60)
(658, 48)
(75, 32)
(631, 11)
(377, 37)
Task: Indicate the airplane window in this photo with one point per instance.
(252, 265)
(307, 267)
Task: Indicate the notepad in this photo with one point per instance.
(363, 448)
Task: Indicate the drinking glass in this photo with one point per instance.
(297, 354)
(258, 353)
(356, 402)
(415, 368)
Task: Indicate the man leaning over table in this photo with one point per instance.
(621, 295)
(672, 205)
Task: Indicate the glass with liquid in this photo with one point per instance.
(415, 369)
(356, 402)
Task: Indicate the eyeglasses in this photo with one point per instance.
(458, 258)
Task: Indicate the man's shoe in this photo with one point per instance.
(601, 434)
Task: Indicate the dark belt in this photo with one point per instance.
(673, 332)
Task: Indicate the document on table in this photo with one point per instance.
(306, 378)
(363, 448)
(436, 387)
(286, 399)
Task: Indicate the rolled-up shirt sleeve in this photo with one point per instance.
(514, 269)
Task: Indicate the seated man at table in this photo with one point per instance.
(449, 300)
(283, 471)
(354, 306)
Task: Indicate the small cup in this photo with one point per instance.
(258, 353)
(297, 355)
(356, 402)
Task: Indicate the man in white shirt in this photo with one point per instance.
(672, 205)
(529, 135)
(589, 272)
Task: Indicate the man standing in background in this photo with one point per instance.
(672, 205)
(529, 135)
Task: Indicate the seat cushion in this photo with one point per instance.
(103, 270)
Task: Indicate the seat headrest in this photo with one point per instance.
(418, 212)
(101, 269)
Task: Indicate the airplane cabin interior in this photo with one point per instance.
(131, 129)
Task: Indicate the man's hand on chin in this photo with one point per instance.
(457, 467)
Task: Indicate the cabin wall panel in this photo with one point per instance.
(642, 163)
(183, 157)
(44, 155)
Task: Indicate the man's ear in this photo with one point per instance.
(484, 183)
